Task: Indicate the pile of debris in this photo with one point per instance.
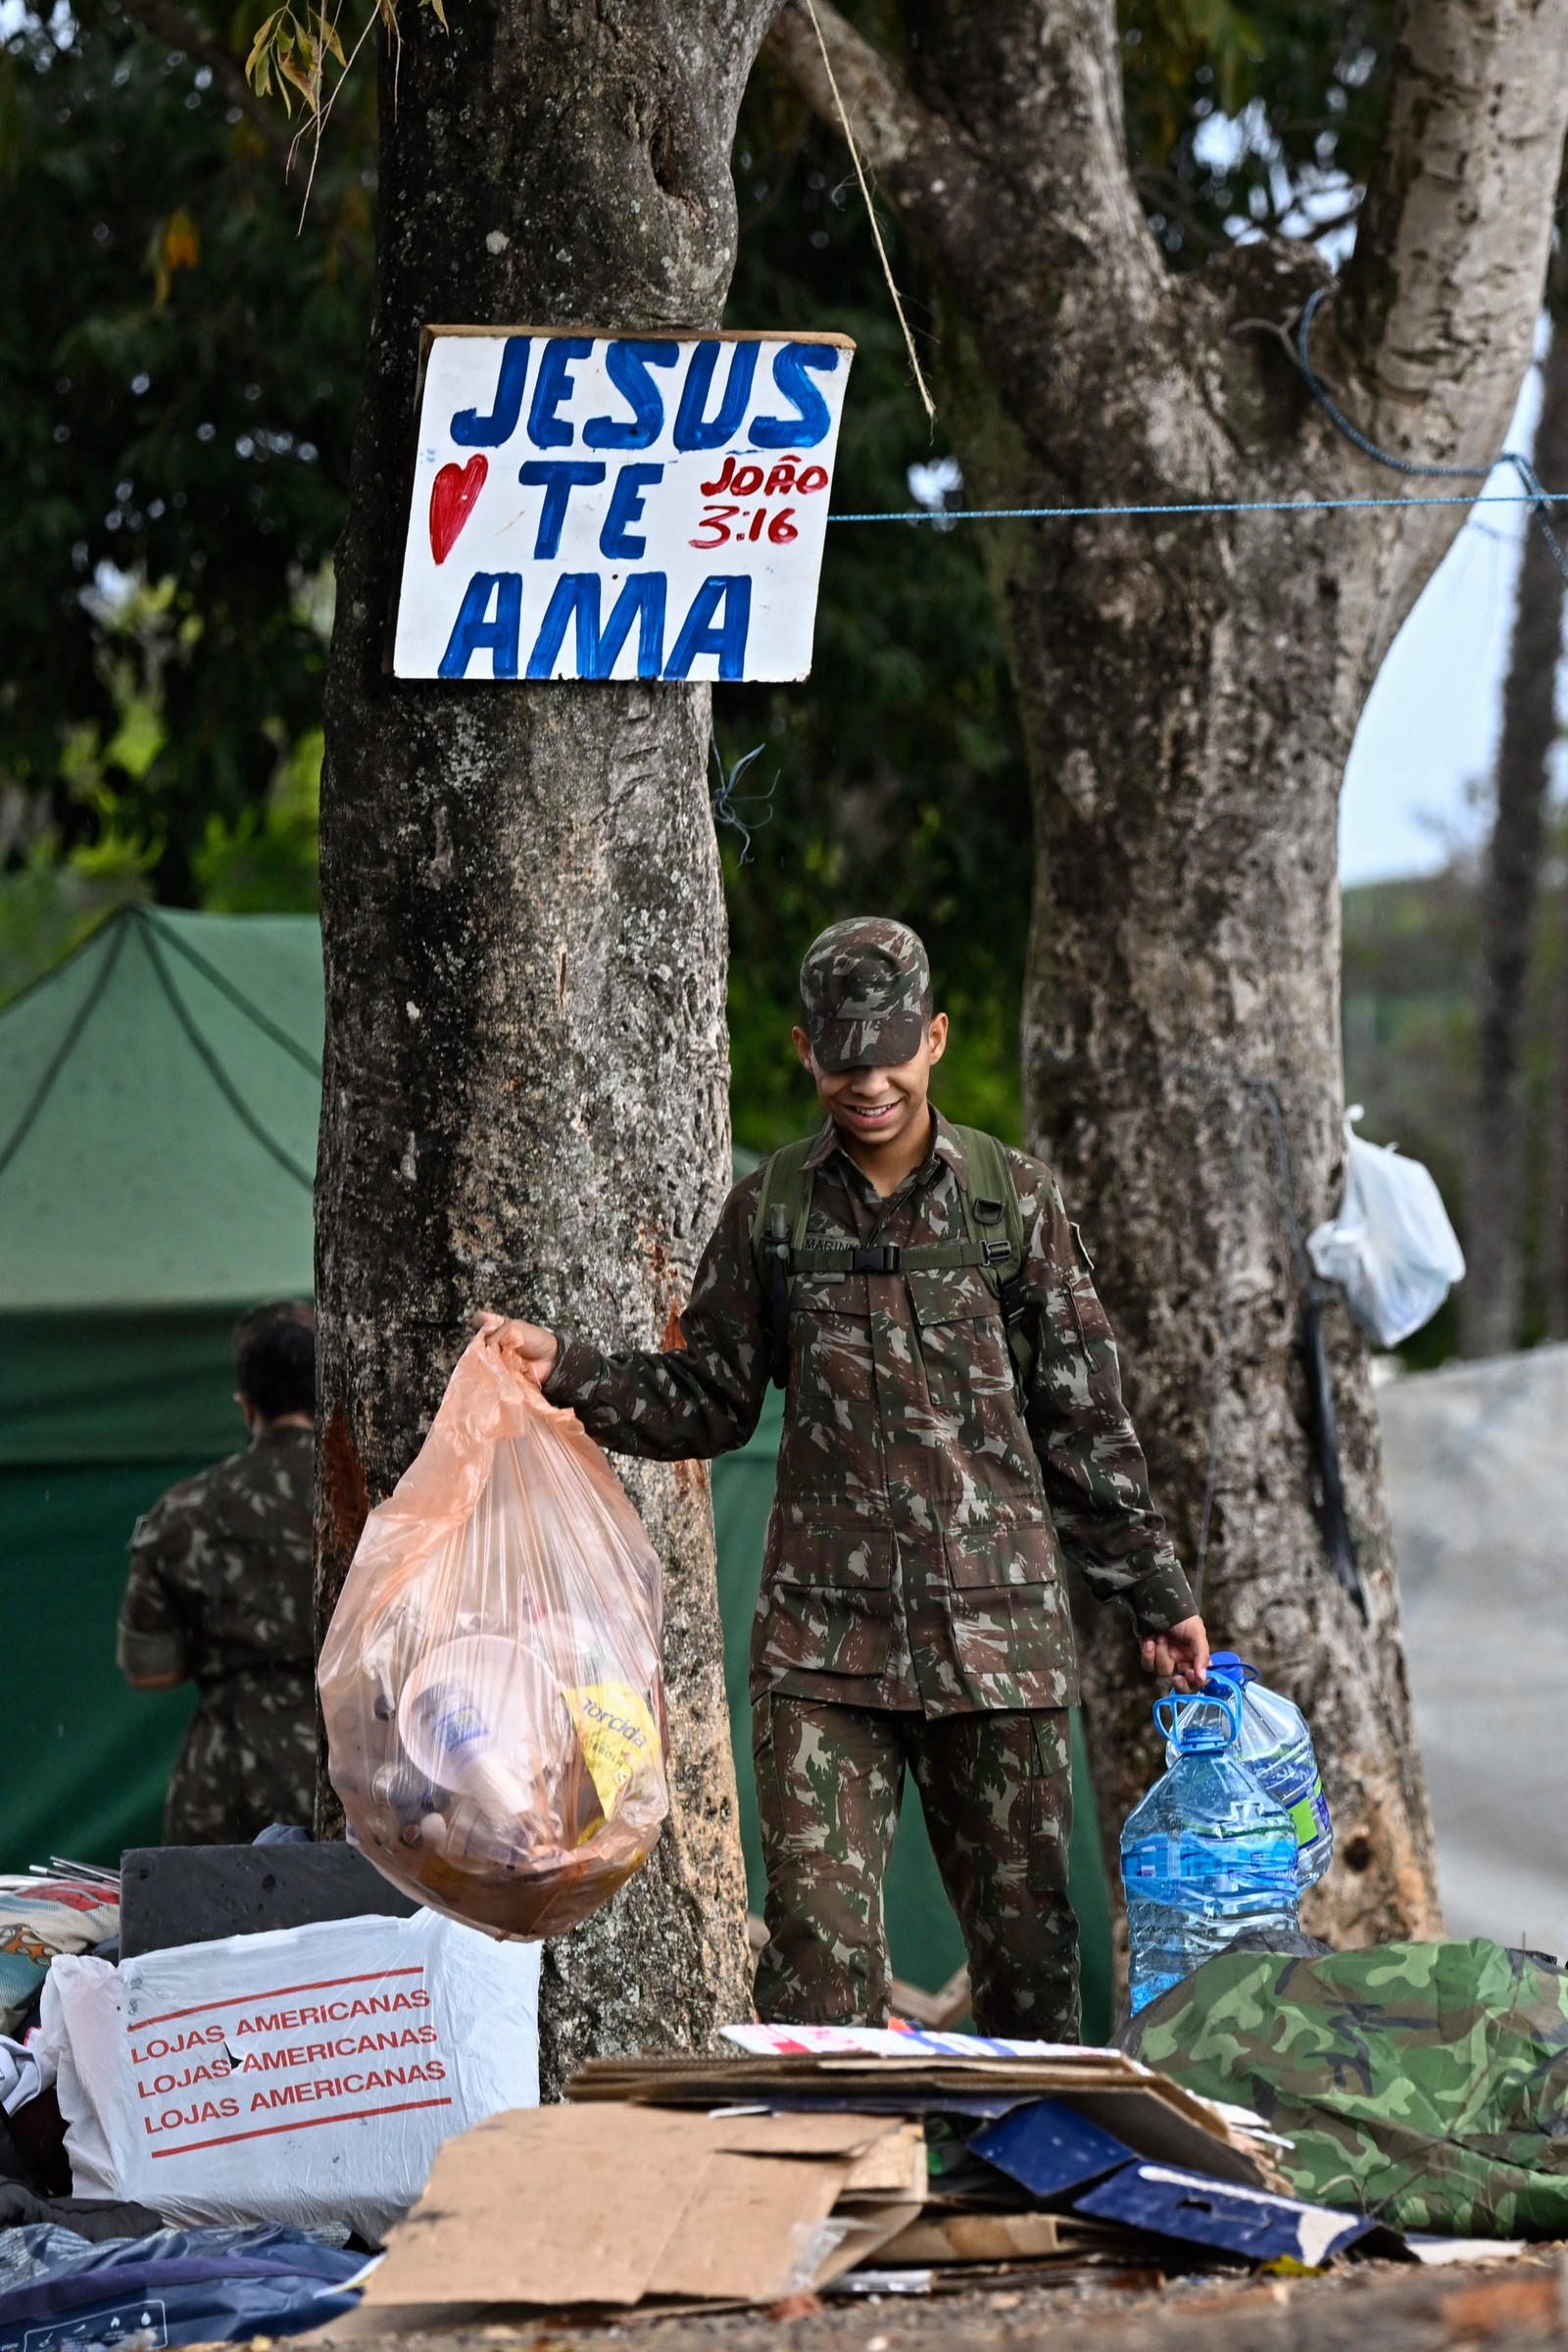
(840, 2160)
(227, 2073)
(236, 2072)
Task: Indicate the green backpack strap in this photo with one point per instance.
(991, 1187)
(991, 1215)
(779, 1233)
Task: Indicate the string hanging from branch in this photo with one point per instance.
(870, 213)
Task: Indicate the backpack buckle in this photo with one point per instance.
(996, 1252)
(886, 1259)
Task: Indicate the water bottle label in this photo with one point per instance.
(1223, 1866)
(458, 1726)
(1283, 1779)
(1310, 1816)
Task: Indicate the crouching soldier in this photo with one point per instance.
(953, 1426)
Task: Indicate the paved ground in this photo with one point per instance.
(1370, 2307)
(1478, 1487)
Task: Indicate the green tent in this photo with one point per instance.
(159, 1097)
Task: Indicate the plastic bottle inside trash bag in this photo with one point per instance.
(483, 1717)
(1206, 1855)
(1276, 1748)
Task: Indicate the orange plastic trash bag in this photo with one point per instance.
(494, 1711)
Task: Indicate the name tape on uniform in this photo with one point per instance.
(592, 506)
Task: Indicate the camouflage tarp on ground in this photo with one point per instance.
(1425, 2083)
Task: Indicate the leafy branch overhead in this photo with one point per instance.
(294, 50)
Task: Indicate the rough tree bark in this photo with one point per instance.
(1189, 691)
(525, 1093)
(1492, 1293)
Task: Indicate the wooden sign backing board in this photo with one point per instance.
(589, 505)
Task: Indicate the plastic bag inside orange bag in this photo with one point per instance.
(495, 1713)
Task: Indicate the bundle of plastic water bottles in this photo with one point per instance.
(1225, 1842)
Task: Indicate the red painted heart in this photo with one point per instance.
(452, 501)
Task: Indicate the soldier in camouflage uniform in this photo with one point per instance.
(220, 1594)
(911, 1612)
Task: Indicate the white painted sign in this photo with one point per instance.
(619, 507)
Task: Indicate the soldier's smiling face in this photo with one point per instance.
(880, 1108)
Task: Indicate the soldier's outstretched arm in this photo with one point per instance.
(1096, 1478)
(676, 1403)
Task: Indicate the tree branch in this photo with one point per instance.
(171, 23)
(1440, 298)
(889, 126)
(1007, 164)
(924, 171)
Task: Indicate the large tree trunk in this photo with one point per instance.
(1189, 691)
(1491, 1297)
(526, 1095)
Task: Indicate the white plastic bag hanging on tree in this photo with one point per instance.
(1391, 1249)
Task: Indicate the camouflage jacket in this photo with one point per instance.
(221, 1570)
(914, 1553)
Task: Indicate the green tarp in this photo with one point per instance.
(1425, 2083)
(159, 1097)
(87, 1760)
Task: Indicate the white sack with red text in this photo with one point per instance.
(304, 2075)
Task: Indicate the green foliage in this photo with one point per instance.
(1408, 1014)
(1248, 122)
(896, 774)
(1409, 1022)
(266, 862)
(296, 51)
(178, 364)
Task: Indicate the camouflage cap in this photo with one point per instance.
(866, 994)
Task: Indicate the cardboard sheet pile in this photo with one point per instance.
(835, 2159)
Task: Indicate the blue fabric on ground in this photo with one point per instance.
(178, 2286)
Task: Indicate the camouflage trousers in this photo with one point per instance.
(996, 1793)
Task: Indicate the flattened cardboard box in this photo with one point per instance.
(1154, 2116)
(608, 2205)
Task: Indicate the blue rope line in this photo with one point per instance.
(1531, 495)
(1536, 498)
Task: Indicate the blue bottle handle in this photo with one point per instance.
(1173, 1716)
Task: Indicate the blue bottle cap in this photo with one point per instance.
(1225, 1666)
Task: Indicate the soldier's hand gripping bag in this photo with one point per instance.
(495, 1712)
